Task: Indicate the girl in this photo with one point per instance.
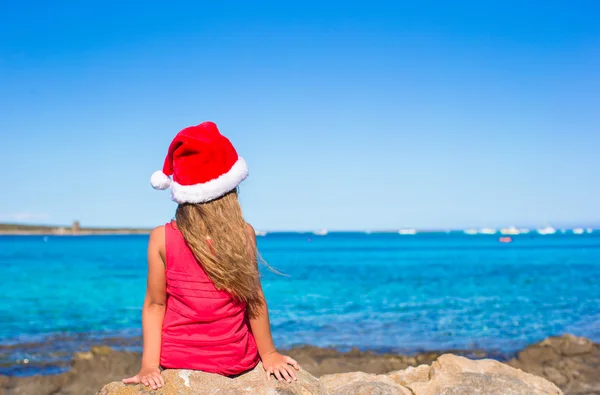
(204, 307)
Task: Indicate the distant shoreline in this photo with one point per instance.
(83, 233)
(74, 230)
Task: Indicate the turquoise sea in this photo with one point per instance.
(383, 292)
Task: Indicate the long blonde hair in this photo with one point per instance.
(230, 258)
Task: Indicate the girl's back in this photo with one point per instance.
(204, 328)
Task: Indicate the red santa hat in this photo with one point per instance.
(203, 163)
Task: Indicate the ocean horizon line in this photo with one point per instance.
(76, 229)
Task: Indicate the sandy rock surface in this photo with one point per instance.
(449, 374)
(184, 382)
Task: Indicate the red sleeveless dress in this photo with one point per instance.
(204, 328)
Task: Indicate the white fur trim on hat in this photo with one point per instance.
(201, 193)
(160, 180)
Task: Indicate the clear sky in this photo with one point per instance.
(351, 115)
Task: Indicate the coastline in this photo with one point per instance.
(74, 230)
(82, 233)
(572, 363)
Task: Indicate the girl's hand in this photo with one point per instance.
(148, 377)
(280, 366)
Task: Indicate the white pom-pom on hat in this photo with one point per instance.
(160, 180)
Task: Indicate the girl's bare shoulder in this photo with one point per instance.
(157, 239)
(157, 234)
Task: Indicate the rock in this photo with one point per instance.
(372, 388)
(322, 361)
(101, 350)
(420, 374)
(452, 374)
(92, 370)
(89, 371)
(362, 383)
(35, 385)
(572, 363)
(186, 382)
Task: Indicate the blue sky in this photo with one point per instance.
(350, 115)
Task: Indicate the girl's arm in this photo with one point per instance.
(153, 313)
(273, 362)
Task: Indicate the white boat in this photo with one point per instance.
(510, 231)
(407, 231)
(471, 231)
(548, 230)
(524, 231)
(321, 232)
(260, 233)
(487, 231)
(589, 230)
(578, 231)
